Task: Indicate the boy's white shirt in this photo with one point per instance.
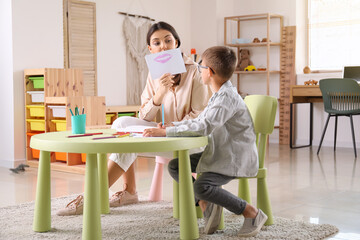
(226, 121)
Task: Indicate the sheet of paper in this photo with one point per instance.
(169, 61)
(134, 129)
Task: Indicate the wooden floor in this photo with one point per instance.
(324, 189)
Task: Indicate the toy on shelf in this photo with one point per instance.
(244, 60)
(256, 40)
(307, 70)
(261, 68)
(265, 40)
(250, 68)
(311, 82)
(195, 57)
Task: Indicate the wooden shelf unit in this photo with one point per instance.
(243, 19)
(121, 109)
(62, 87)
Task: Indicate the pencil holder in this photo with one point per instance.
(78, 123)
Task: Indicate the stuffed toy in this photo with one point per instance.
(311, 82)
(256, 40)
(244, 60)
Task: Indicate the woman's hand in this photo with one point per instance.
(166, 82)
(160, 125)
(154, 132)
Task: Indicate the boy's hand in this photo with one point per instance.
(154, 132)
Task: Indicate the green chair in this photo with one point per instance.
(263, 111)
(341, 97)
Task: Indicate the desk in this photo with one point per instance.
(96, 197)
(303, 94)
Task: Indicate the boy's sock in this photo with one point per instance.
(252, 226)
(212, 217)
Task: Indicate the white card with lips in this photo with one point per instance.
(170, 61)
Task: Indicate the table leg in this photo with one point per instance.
(42, 211)
(310, 128)
(104, 183)
(91, 217)
(188, 221)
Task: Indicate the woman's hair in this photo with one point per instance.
(159, 26)
(222, 60)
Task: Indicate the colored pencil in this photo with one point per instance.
(114, 136)
(84, 135)
(162, 114)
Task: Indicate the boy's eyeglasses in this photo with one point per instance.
(199, 66)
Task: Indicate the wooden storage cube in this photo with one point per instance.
(60, 124)
(36, 110)
(36, 124)
(36, 96)
(60, 156)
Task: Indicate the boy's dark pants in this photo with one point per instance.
(208, 186)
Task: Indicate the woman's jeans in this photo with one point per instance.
(207, 186)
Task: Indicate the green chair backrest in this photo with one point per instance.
(340, 95)
(263, 111)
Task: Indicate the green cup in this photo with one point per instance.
(78, 123)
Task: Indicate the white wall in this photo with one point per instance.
(6, 90)
(35, 40)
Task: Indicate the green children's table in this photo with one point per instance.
(96, 197)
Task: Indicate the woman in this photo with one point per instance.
(184, 96)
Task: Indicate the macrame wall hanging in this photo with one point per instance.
(135, 31)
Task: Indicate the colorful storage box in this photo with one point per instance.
(109, 116)
(58, 111)
(37, 96)
(60, 124)
(36, 124)
(34, 152)
(131, 114)
(60, 156)
(36, 110)
(83, 157)
(38, 82)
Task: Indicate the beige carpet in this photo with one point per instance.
(146, 220)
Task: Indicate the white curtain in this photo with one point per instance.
(135, 31)
(334, 34)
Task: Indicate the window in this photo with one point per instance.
(334, 33)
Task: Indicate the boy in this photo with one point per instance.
(231, 151)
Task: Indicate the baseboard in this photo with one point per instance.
(11, 163)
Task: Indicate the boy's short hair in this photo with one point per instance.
(222, 60)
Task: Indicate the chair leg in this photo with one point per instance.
(244, 190)
(335, 133)
(263, 200)
(323, 134)
(353, 135)
(176, 210)
(156, 189)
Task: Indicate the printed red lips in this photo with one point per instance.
(163, 58)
